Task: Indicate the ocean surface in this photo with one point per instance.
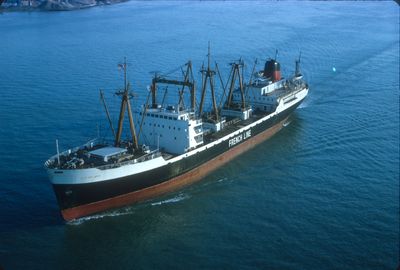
(321, 194)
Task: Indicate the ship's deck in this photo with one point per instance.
(94, 157)
(232, 125)
(99, 155)
(85, 157)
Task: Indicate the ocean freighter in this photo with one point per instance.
(173, 145)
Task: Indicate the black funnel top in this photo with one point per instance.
(270, 67)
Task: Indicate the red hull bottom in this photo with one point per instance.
(171, 185)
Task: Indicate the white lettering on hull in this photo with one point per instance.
(235, 140)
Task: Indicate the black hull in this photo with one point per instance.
(73, 196)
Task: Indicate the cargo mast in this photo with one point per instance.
(125, 104)
(236, 72)
(208, 75)
(188, 81)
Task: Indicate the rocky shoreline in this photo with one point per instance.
(52, 5)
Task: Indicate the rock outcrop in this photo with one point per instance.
(52, 5)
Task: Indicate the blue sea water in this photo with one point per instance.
(321, 194)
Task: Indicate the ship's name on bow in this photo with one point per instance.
(243, 136)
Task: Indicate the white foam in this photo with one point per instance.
(115, 213)
(222, 179)
(125, 211)
(175, 199)
(287, 123)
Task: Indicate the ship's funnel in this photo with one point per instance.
(272, 70)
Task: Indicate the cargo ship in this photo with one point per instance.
(173, 145)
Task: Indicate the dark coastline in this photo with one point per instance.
(63, 5)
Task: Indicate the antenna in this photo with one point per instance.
(125, 82)
(297, 72)
(208, 76)
(58, 153)
(209, 55)
(276, 54)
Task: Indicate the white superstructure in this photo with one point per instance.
(265, 95)
(169, 129)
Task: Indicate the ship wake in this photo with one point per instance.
(178, 198)
(115, 213)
